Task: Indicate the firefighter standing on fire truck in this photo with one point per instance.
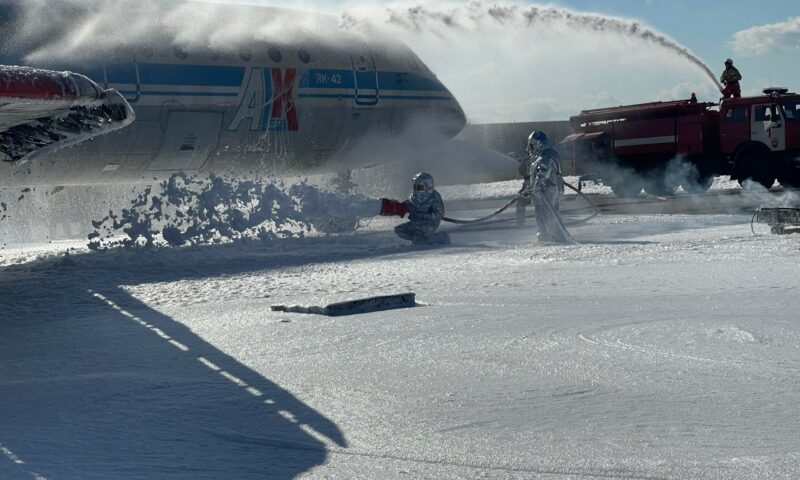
(731, 78)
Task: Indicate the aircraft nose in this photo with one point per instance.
(452, 115)
(430, 106)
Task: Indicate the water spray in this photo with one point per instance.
(477, 17)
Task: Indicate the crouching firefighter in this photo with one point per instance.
(425, 210)
(546, 185)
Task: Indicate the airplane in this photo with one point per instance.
(270, 106)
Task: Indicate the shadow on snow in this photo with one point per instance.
(96, 384)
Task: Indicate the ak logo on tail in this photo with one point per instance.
(268, 101)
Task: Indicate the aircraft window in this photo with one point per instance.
(736, 115)
(792, 109)
(246, 56)
(275, 55)
(304, 56)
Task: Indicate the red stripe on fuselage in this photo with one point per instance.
(283, 86)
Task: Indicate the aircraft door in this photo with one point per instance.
(190, 140)
(365, 74)
(769, 127)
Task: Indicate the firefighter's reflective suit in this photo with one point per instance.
(425, 212)
(546, 188)
(525, 169)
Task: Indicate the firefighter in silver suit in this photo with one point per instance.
(546, 188)
(525, 192)
(425, 212)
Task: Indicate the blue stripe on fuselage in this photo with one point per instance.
(327, 79)
(124, 73)
(177, 75)
(190, 75)
(372, 97)
(408, 81)
(228, 76)
(156, 93)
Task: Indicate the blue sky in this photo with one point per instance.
(708, 27)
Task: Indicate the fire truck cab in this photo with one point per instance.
(760, 137)
(662, 145)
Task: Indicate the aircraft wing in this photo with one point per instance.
(42, 111)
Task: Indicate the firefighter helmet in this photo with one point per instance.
(423, 182)
(536, 142)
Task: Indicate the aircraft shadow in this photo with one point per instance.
(97, 384)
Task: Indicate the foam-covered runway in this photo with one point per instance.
(664, 346)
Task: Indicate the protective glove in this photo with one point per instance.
(390, 208)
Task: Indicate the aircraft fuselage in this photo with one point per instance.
(267, 109)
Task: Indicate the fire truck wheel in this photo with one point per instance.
(753, 166)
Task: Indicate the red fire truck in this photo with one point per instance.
(660, 146)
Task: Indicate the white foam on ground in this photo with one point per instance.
(611, 359)
(197, 211)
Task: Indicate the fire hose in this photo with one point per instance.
(516, 199)
(488, 217)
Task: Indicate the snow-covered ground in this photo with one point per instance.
(662, 347)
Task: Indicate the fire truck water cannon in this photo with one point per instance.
(660, 146)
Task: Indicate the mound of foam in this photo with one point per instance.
(196, 211)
